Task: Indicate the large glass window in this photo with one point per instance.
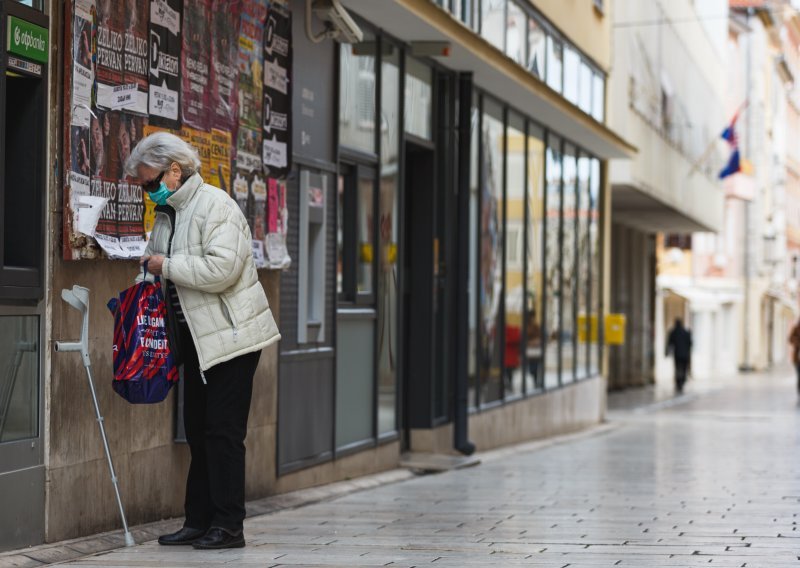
(515, 250)
(572, 63)
(553, 263)
(19, 381)
(555, 58)
(355, 233)
(493, 22)
(596, 287)
(516, 33)
(419, 99)
(537, 38)
(533, 251)
(569, 273)
(491, 262)
(357, 95)
(598, 96)
(474, 259)
(388, 234)
(586, 88)
(584, 259)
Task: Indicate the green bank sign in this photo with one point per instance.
(27, 40)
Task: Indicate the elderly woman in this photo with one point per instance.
(218, 320)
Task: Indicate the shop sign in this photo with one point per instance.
(27, 40)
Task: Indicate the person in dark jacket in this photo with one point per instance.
(679, 345)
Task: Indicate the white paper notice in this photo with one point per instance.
(163, 102)
(126, 247)
(258, 254)
(126, 97)
(275, 154)
(87, 210)
(276, 251)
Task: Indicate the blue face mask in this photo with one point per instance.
(160, 195)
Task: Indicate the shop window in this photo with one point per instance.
(516, 33)
(537, 40)
(534, 266)
(596, 281)
(388, 232)
(555, 59)
(514, 266)
(474, 251)
(492, 237)
(419, 99)
(552, 322)
(568, 264)
(357, 95)
(493, 22)
(355, 234)
(584, 291)
(19, 381)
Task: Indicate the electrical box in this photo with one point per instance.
(615, 329)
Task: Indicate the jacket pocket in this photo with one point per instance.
(227, 309)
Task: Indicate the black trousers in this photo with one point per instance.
(215, 417)
(681, 367)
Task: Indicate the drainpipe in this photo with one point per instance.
(461, 392)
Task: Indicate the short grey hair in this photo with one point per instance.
(159, 151)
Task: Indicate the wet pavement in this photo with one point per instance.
(711, 478)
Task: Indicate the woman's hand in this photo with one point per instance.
(154, 263)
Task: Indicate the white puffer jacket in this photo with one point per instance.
(211, 265)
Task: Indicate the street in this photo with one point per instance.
(714, 480)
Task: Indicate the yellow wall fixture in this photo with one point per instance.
(615, 329)
(587, 328)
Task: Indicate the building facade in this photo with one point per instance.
(447, 210)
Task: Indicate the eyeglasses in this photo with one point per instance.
(153, 184)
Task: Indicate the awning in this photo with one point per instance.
(701, 298)
(422, 20)
(646, 213)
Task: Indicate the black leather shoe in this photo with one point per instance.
(186, 535)
(219, 538)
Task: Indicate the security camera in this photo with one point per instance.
(339, 23)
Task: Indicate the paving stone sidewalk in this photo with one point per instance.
(712, 480)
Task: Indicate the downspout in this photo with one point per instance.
(461, 392)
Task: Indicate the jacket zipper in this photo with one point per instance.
(230, 317)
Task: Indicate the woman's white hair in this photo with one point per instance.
(159, 151)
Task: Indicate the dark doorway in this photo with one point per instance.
(420, 268)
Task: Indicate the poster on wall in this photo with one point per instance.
(196, 65)
(251, 89)
(220, 167)
(225, 65)
(109, 51)
(276, 253)
(165, 62)
(135, 53)
(277, 101)
(83, 68)
(120, 228)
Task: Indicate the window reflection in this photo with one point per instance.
(534, 372)
(584, 285)
(536, 48)
(568, 284)
(474, 197)
(594, 243)
(493, 13)
(555, 57)
(515, 33)
(357, 95)
(418, 99)
(598, 96)
(572, 63)
(19, 378)
(515, 246)
(388, 234)
(491, 253)
(365, 235)
(585, 89)
(553, 263)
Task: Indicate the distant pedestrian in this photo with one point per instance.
(794, 339)
(679, 345)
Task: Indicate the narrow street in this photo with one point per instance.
(714, 480)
